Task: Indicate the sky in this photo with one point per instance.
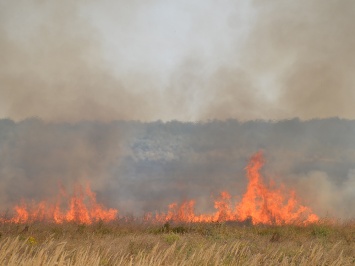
(67, 61)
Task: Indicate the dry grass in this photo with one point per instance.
(121, 243)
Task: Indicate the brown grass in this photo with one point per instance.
(120, 243)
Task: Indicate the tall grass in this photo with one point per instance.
(185, 244)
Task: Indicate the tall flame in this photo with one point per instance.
(261, 204)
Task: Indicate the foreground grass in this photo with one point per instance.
(122, 243)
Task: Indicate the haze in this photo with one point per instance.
(159, 101)
(134, 60)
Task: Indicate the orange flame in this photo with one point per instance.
(260, 203)
(82, 208)
(268, 206)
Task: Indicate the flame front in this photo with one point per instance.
(260, 204)
(82, 208)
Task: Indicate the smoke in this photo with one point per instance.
(331, 198)
(75, 60)
(39, 158)
(70, 63)
(305, 51)
(142, 167)
(52, 67)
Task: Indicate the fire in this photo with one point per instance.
(261, 204)
(82, 208)
(269, 206)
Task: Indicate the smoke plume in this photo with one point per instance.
(52, 67)
(142, 167)
(77, 76)
(75, 60)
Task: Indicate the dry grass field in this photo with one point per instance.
(133, 243)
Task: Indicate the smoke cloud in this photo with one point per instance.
(142, 167)
(80, 69)
(305, 52)
(75, 60)
(52, 67)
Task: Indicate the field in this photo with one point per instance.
(134, 243)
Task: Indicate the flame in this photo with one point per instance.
(269, 206)
(261, 204)
(82, 208)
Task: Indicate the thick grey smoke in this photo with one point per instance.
(52, 67)
(304, 50)
(70, 63)
(140, 167)
(107, 60)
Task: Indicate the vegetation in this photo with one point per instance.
(125, 243)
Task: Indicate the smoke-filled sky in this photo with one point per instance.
(82, 68)
(190, 61)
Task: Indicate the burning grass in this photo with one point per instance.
(127, 243)
(267, 227)
(261, 203)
